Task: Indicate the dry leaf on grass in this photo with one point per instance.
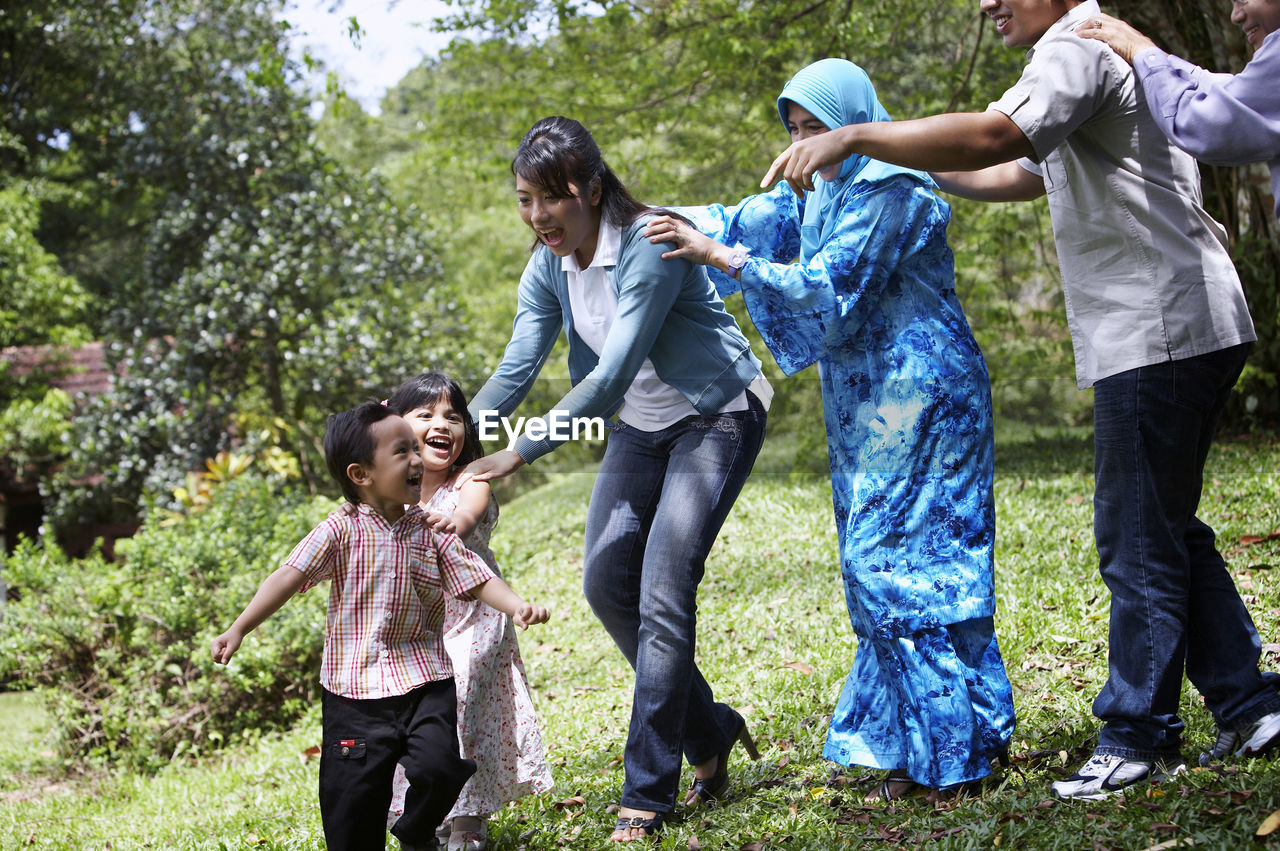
(1269, 826)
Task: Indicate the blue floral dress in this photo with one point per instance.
(907, 405)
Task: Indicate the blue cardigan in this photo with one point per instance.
(668, 312)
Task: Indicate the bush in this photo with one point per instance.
(122, 649)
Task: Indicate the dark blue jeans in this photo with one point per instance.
(659, 501)
(1174, 606)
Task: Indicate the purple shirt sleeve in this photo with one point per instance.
(1223, 119)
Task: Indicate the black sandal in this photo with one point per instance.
(711, 789)
(651, 826)
(886, 792)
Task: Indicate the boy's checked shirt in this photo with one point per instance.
(386, 599)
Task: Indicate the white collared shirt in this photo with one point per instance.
(650, 404)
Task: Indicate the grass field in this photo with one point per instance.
(774, 640)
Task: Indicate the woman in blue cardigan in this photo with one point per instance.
(650, 344)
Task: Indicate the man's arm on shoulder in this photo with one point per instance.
(1004, 182)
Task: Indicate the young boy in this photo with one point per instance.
(1160, 328)
(388, 692)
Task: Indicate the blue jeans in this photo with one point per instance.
(1174, 605)
(659, 501)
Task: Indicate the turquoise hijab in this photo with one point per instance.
(836, 92)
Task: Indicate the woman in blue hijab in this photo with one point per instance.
(907, 404)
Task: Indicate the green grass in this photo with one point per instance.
(774, 640)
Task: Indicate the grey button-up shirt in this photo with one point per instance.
(1145, 268)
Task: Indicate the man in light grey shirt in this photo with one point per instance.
(1160, 330)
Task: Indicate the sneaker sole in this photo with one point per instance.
(1102, 795)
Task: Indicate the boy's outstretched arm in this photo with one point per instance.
(499, 595)
(273, 593)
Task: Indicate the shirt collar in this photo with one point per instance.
(1068, 22)
(411, 514)
(608, 244)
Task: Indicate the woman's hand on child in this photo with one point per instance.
(527, 614)
(499, 465)
(225, 646)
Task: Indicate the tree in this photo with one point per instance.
(248, 283)
(680, 95)
(38, 302)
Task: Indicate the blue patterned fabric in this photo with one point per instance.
(937, 703)
(905, 393)
(907, 406)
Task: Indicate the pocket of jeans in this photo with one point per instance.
(1197, 384)
(348, 749)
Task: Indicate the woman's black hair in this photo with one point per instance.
(559, 151)
(426, 390)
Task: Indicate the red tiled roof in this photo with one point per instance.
(79, 370)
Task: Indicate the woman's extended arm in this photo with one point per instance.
(766, 224)
(533, 335)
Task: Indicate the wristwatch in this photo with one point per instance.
(737, 260)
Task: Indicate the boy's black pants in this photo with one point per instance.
(363, 740)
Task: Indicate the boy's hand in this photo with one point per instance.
(527, 614)
(225, 646)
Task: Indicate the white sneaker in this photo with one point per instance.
(1260, 737)
(1106, 774)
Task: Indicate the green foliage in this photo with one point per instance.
(38, 302)
(262, 280)
(307, 298)
(774, 641)
(1257, 398)
(32, 433)
(1013, 299)
(122, 649)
